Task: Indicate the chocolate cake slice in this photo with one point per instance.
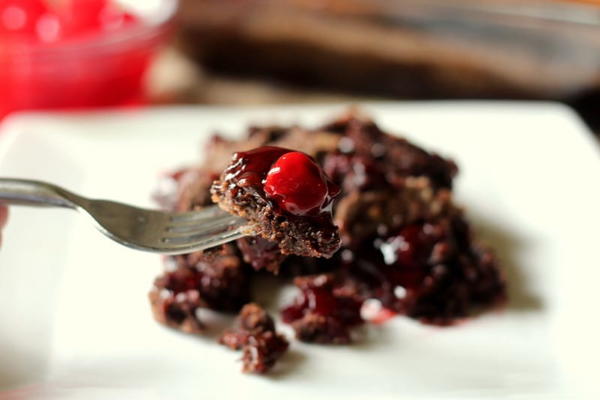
(405, 247)
(285, 196)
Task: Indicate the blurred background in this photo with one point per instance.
(64, 54)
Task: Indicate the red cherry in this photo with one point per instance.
(113, 18)
(83, 17)
(405, 252)
(129, 18)
(49, 28)
(297, 184)
(95, 16)
(321, 301)
(405, 247)
(313, 299)
(20, 17)
(292, 313)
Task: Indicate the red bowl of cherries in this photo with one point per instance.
(66, 54)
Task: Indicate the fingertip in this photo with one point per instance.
(3, 215)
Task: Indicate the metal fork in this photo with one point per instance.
(138, 228)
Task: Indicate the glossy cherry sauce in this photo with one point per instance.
(292, 179)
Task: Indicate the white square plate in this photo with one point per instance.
(75, 318)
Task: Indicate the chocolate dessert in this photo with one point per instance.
(255, 335)
(406, 248)
(320, 314)
(286, 198)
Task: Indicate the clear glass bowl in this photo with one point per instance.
(96, 71)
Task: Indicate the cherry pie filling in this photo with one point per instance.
(419, 260)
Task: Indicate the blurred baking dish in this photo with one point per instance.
(416, 48)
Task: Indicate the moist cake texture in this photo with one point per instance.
(286, 198)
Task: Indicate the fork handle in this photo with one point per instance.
(35, 193)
